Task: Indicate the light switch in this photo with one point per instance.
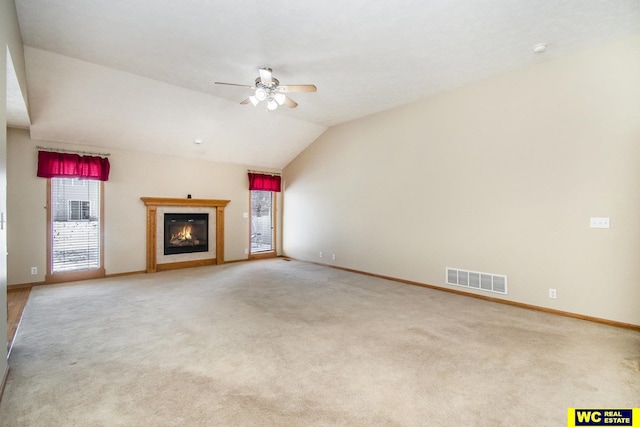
(599, 222)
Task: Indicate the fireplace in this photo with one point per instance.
(186, 233)
(156, 209)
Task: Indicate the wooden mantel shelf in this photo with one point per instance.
(152, 204)
(163, 201)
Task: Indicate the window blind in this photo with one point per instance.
(75, 227)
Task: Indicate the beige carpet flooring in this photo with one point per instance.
(288, 343)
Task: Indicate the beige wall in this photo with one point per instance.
(133, 175)
(501, 176)
(10, 41)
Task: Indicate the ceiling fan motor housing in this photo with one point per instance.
(273, 85)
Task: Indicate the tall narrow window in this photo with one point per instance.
(262, 222)
(263, 189)
(75, 229)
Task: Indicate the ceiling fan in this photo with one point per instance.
(268, 88)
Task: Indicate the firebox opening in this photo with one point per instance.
(186, 233)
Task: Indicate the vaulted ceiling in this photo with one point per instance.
(139, 75)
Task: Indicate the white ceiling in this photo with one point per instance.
(139, 74)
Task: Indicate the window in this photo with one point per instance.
(262, 223)
(74, 229)
(263, 188)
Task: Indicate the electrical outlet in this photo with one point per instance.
(320, 254)
(333, 257)
(34, 270)
(246, 251)
(599, 222)
(552, 293)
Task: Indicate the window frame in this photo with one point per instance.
(58, 277)
(274, 210)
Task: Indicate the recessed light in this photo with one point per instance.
(540, 47)
(198, 141)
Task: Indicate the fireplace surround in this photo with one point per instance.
(156, 206)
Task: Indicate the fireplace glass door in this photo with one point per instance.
(186, 233)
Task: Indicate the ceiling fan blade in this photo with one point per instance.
(246, 101)
(297, 88)
(290, 102)
(233, 84)
(265, 76)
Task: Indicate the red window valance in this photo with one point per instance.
(66, 165)
(258, 181)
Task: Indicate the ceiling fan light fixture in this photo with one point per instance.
(261, 94)
(271, 104)
(254, 101)
(279, 97)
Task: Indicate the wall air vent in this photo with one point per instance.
(476, 280)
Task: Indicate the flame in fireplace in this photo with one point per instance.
(181, 235)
